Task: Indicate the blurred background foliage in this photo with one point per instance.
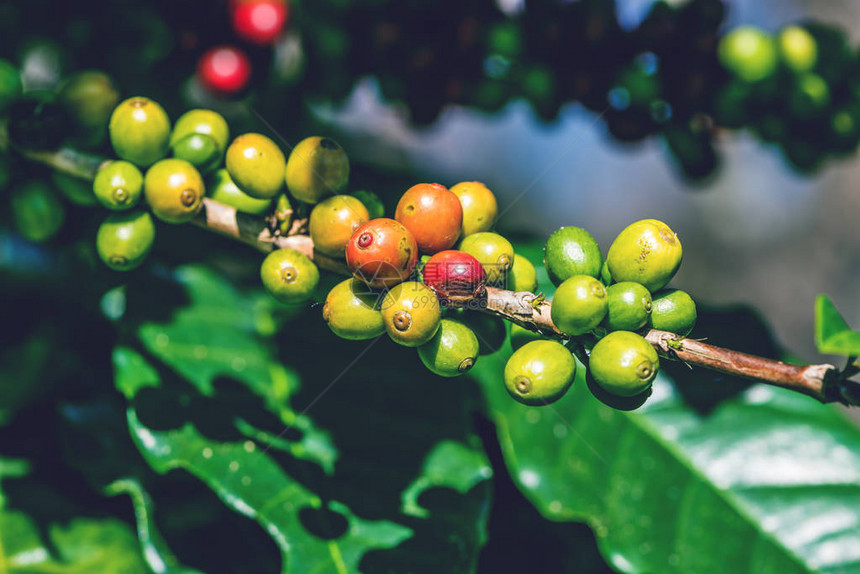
(592, 113)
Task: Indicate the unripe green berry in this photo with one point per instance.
(371, 201)
(118, 185)
(411, 313)
(37, 211)
(140, 131)
(749, 53)
(579, 305)
(522, 276)
(571, 251)
(289, 276)
(224, 190)
(495, 253)
(539, 372)
(798, 49)
(200, 150)
(317, 167)
(605, 274)
(125, 239)
(204, 122)
(256, 165)
(674, 311)
(10, 83)
(76, 190)
(647, 252)
(490, 330)
(629, 306)
(174, 190)
(352, 312)
(520, 336)
(623, 363)
(89, 98)
(452, 351)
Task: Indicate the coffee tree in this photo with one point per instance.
(237, 333)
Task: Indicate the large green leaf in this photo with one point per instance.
(345, 464)
(833, 336)
(768, 482)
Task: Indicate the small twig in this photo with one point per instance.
(821, 382)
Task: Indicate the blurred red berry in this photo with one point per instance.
(260, 21)
(224, 70)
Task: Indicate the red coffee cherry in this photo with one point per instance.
(382, 253)
(455, 277)
(433, 214)
(260, 21)
(224, 70)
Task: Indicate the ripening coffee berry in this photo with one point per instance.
(125, 239)
(289, 276)
(540, 372)
(748, 52)
(629, 306)
(452, 351)
(479, 207)
(522, 276)
(371, 201)
(118, 185)
(571, 251)
(223, 190)
(411, 313)
(174, 190)
(224, 70)
(200, 150)
(520, 336)
(623, 363)
(455, 277)
(204, 122)
(38, 212)
(579, 305)
(256, 165)
(382, 253)
(333, 221)
(140, 131)
(494, 252)
(317, 167)
(674, 311)
(647, 252)
(433, 215)
(352, 312)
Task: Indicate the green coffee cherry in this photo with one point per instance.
(10, 83)
(140, 131)
(452, 351)
(749, 52)
(491, 331)
(89, 98)
(174, 190)
(118, 185)
(256, 164)
(579, 305)
(411, 313)
(494, 252)
(317, 167)
(798, 49)
(522, 276)
(616, 402)
(571, 251)
(77, 191)
(125, 239)
(289, 276)
(204, 122)
(37, 211)
(199, 150)
(623, 363)
(539, 372)
(605, 274)
(674, 311)
(352, 312)
(647, 252)
(629, 306)
(520, 336)
(223, 190)
(371, 201)
(809, 96)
